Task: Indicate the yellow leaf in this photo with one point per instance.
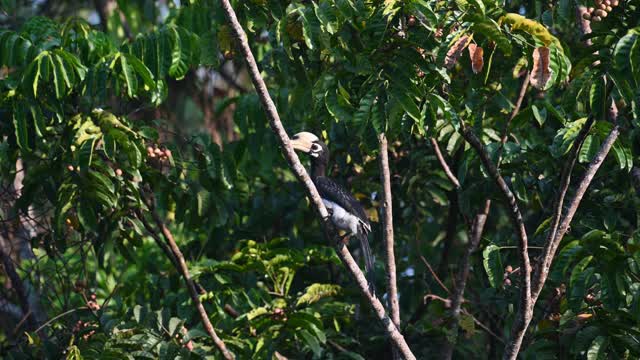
(519, 22)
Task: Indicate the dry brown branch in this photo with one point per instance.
(433, 273)
(519, 329)
(387, 222)
(443, 163)
(477, 229)
(526, 309)
(184, 270)
(300, 172)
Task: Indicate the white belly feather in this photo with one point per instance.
(341, 218)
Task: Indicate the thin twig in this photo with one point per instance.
(514, 113)
(435, 276)
(184, 270)
(447, 170)
(303, 177)
(59, 316)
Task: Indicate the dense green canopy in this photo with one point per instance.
(126, 123)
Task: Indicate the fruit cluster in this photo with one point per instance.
(602, 9)
(155, 151)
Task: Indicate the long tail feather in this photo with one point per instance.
(368, 261)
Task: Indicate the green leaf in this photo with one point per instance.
(563, 141)
(33, 73)
(58, 78)
(408, 104)
(491, 30)
(316, 292)
(493, 265)
(578, 280)
(129, 77)
(622, 52)
(257, 312)
(621, 155)
(71, 59)
(532, 27)
(597, 98)
(143, 71)
(338, 110)
(597, 349)
(539, 114)
(325, 12)
(179, 57)
(21, 128)
(363, 113)
(311, 341)
(175, 325)
(589, 149)
(308, 24)
(87, 216)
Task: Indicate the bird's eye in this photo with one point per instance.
(316, 148)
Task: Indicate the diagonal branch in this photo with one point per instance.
(387, 221)
(477, 228)
(184, 270)
(447, 170)
(303, 177)
(526, 308)
(587, 178)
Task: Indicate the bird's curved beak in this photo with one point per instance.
(303, 140)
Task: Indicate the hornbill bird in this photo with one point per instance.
(345, 211)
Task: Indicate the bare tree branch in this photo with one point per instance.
(387, 222)
(300, 172)
(526, 309)
(477, 229)
(184, 270)
(443, 163)
(543, 266)
(519, 329)
(433, 273)
(514, 112)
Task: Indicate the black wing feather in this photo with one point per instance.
(332, 191)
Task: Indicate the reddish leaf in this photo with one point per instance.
(477, 61)
(541, 73)
(455, 51)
